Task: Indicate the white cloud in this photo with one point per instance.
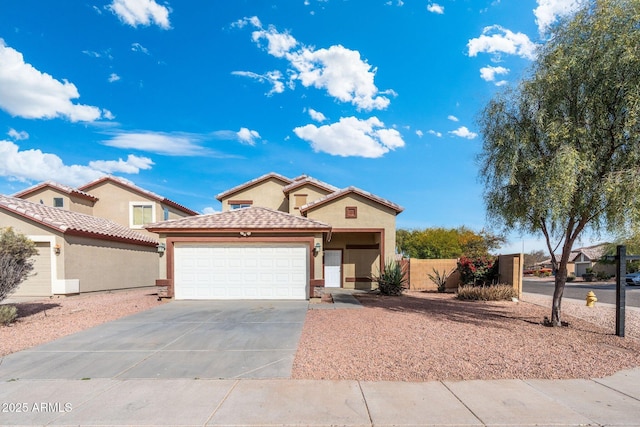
(273, 77)
(168, 144)
(34, 165)
(433, 132)
(316, 115)
(501, 83)
(17, 136)
(352, 137)
(113, 78)
(133, 164)
(453, 118)
(419, 133)
(338, 70)
(247, 136)
(141, 12)
(209, 210)
(435, 8)
(137, 47)
(496, 39)
(489, 73)
(548, 11)
(28, 93)
(463, 132)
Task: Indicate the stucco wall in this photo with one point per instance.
(371, 215)
(104, 265)
(313, 193)
(419, 270)
(74, 204)
(266, 194)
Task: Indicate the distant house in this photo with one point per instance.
(89, 238)
(583, 258)
(278, 237)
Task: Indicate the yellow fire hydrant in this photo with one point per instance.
(591, 299)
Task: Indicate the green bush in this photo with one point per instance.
(15, 263)
(601, 275)
(487, 293)
(478, 271)
(571, 278)
(392, 280)
(8, 314)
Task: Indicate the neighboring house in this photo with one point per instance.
(109, 197)
(279, 238)
(583, 258)
(108, 203)
(79, 252)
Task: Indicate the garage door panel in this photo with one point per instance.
(249, 271)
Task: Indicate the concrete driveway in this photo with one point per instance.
(181, 339)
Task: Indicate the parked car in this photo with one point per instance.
(633, 279)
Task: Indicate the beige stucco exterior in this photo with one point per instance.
(105, 265)
(266, 194)
(308, 192)
(83, 264)
(71, 203)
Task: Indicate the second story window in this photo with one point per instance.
(237, 204)
(165, 214)
(140, 214)
(58, 202)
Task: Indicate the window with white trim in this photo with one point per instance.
(141, 213)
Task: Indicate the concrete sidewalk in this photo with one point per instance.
(612, 401)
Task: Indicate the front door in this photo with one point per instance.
(332, 268)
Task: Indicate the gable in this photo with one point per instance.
(352, 210)
(265, 193)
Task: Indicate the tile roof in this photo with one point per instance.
(69, 222)
(253, 182)
(60, 187)
(594, 253)
(345, 191)
(251, 218)
(130, 185)
(303, 179)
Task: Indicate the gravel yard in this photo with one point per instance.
(428, 336)
(416, 337)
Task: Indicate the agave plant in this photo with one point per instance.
(440, 279)
(392, 280)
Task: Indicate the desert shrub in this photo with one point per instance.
(8, 314)
(487, 293)
(571, 278)
(440, 279)
(392, 280)
(478, 271)
(601, 275)
(15, 263)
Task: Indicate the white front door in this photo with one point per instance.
(332, 268)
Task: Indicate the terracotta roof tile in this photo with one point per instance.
(60, 187)
(72, 222)
(303, 179)
(253, 182)
(251, 218)
(346, 191)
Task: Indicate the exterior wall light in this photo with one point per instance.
(56, 249)
(316, 248)
(161, 248)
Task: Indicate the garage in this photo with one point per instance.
(38, 284)
(241, 270)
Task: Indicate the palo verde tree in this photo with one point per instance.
(561, 152)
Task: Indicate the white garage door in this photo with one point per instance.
(240, 271)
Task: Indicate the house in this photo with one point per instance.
(588, 257)
(54, 215)
(109, 197)
(279, 238)
(79, 252)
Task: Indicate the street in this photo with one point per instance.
(605, 292)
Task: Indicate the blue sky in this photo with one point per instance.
(190, 98)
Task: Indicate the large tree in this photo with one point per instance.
(561, 152)
(444, 243)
